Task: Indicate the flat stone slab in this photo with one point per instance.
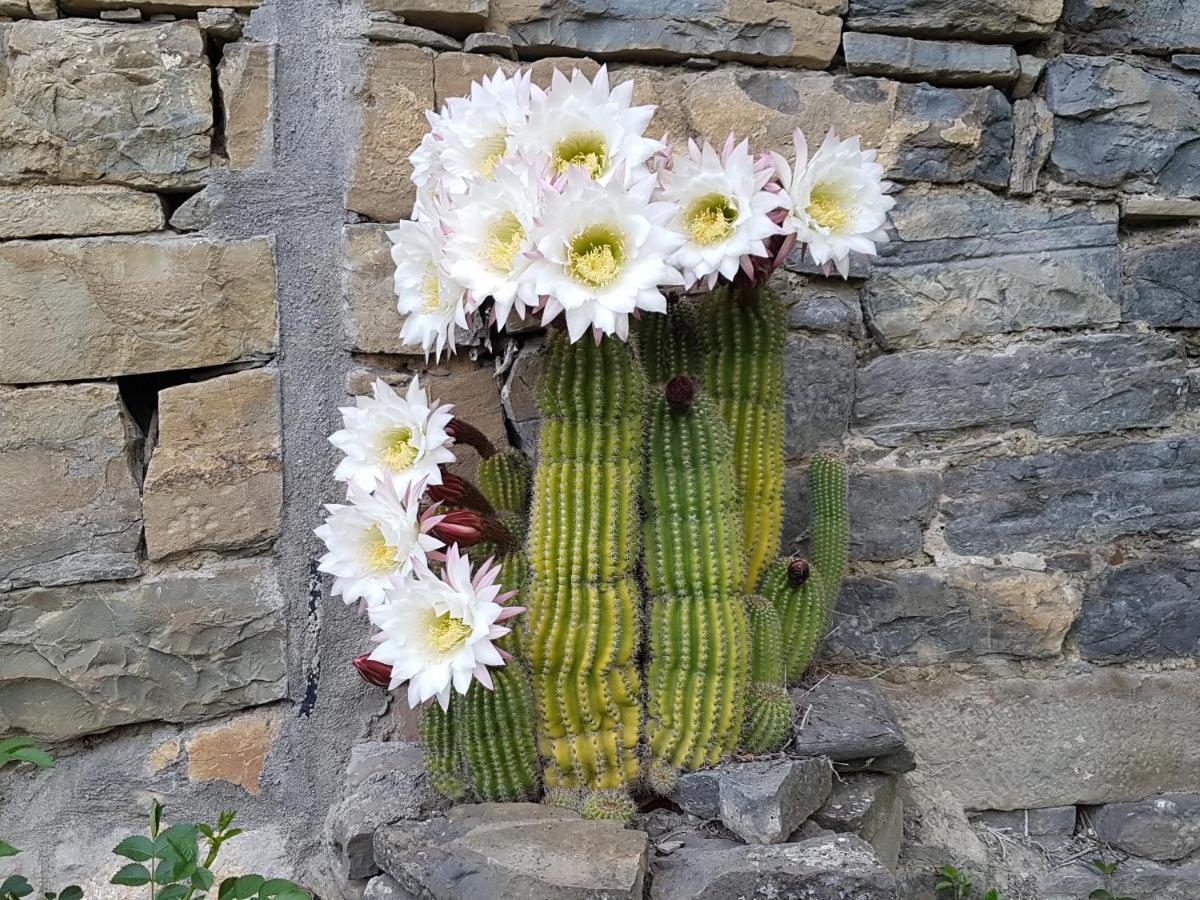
(514, 851)
(868, 805)
(67, 210)
(1052, 821)
(849, 719)
(955, 63)
(995, 20)
(1165, 827)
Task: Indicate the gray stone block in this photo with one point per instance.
(1050, 822)
(823, 305)
(936, 615)
(868, 805)
(1161, 277)
(1157, 209)
(765, 801)
(385, 887)
(1188, 61)
(830, 866)
(1018, 742)
(1134, 878)
(848, 720)
(818, 389)
(1069, 497)
(1122, 26)
(956, 63)
(1076, 385)
(1166, 827)
(1030, 71)
(1126, 125)
(1143, 609)
(1012, 20)
(514, 851)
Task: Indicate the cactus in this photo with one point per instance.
(443, 759)
(504, 481)
(766, 641)
(669, 344)
(696, 678)
(742, 369)
(582, 623)
(768, 707)
(804, 596)
(609, 805)
(496, 736)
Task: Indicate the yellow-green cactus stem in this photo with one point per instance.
(696, 680)
(582, 623)
(668, 344)
(504, 481)
(742, 370)
(769, 714)
(443, 756)
(496, 736)
(609, 805)
(766, 640)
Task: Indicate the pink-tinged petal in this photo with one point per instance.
(509, 612)
(506, 655)
(785, 249)
(484, 677)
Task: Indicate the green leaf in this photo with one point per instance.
(281, 888)
(132, 875)
(202, 879)
(137, 847)
(39, 758)
(7, 850)
(173, 892)
(245, 886)
(16, 886)
(74, 892)
(226, 818)
(155, 817)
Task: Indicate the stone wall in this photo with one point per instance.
(194, 275)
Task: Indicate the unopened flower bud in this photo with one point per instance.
(373, 672)
(459, 526)
(681, 394)
(798, 572)
(458, 491)
(465, 433)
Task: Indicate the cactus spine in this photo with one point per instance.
(497, 737)
(742, 369)
(696, 679)
(804, 597)
(582, 625)
(768, 707)
(443, 757)
(504, 481)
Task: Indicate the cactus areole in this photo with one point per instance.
(623, 615)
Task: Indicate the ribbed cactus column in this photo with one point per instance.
(768, 706)
(742, 369)
(803, 595)
(497, 737)
(443, 754)
(696, 681)
(582, 623)
(669, 344)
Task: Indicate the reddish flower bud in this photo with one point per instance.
(459, 526)
(681, 394)
(465, 433)
(458, 491)
(373, 672)
(798, 572)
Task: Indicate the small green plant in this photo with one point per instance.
(1107, 870)
(22, 749)
(16, 887)
(168, 862)
(955, 884)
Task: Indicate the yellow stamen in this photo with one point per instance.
(595, 256)
(431, 291)
(446, 633)
(586, 149)
(398, 452)
(825, 208)
(380, 556)
(493, 149)
(505, 240)
(710, 219)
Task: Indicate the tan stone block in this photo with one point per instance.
(457, 17)
(397, 89)
(246, 77)
(235, 752)
(99, 307)
(67, 210)
(82, 100)
(92, 7)
(215, 480)
(70, 503)
(371, 320)
(163, 755)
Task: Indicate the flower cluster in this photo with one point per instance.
(554, 202)
(436, 630)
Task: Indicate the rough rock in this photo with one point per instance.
(396, 91)
(969, 263)
(1051, 822)
(50, 211)
(154, 7)
(1157, 209)
(1030, 71)
(955, 63)
(222, 23)
(1145, 26)
(385, 887)
(1120, 124)
(1142, 609)
(1075, 385)
(1062, 498)
(490, 42)
(849, 720)
(1134, 878)
(1161, 278)
(1165, 827)
(831, 866)
(889, 509)
(1018, 742)
(194, 213)
(82, 100)
(923, 133)
(998, 20)
(70, 503)
(1188, 61)
(384, 30)
(235, 751)
(823, 305)
(372, 324)
(521, 392)
(818, 389)
(515, 851)
(935, 830)
(1033, 128)
(762, 802)
(98, 307)
(215, 480)
(177, 646)
(246, 76)
(804, 33)
(386, 782)
(456, 17)
(868, 805)
(936, 615)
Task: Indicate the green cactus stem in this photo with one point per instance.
(504, 481)
(608, 805)
(496, 736)
(742, 370)
(443, 756)
(804, 595)
(769, 714)
(669, 344)
(766, 640)
(696, 680)
(582, 624)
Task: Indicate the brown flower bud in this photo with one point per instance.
(681, 394)
(798, 572)
(373, 672)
